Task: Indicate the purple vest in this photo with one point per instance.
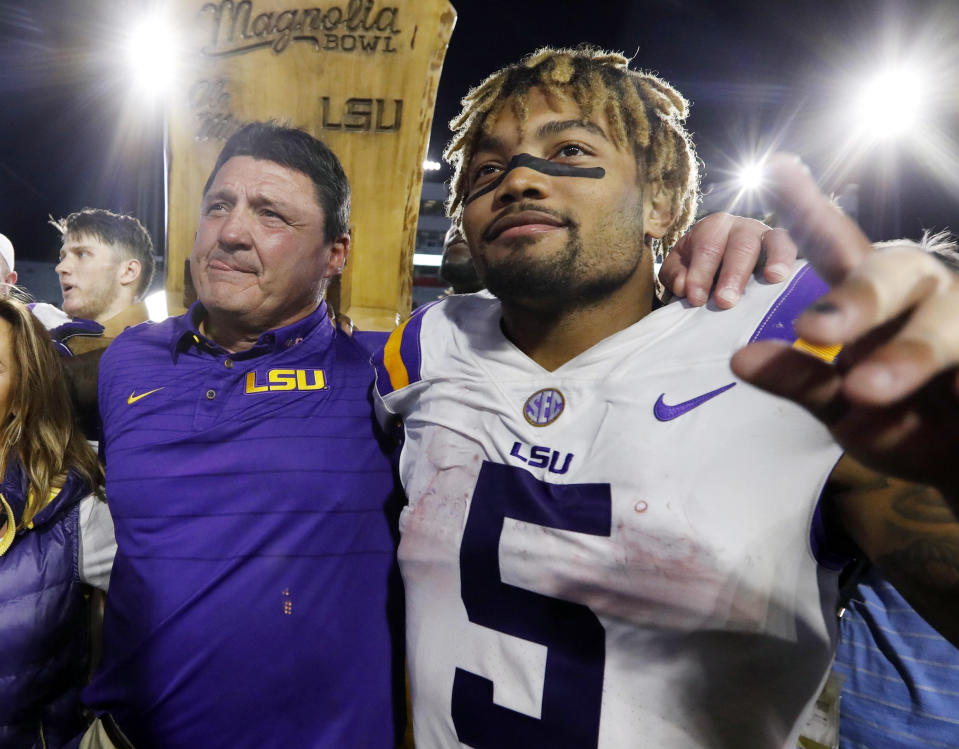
(43, 635)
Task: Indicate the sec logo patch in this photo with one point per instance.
(544, 406)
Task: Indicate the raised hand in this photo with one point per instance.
(892, 396)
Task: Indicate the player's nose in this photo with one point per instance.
(519, 183)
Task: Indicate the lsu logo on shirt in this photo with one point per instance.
(285, 379)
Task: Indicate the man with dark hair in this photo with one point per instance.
(254, 598)
(611, 540)
(106, 267)
(293, 149)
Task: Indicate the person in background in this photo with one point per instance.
(8, 276)
(456, 265)
(105, 269)
(56, 538)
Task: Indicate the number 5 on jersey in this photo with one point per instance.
(571, 632)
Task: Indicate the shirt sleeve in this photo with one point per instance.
(398, 366)
(98, 543)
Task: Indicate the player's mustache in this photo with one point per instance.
(491, 229)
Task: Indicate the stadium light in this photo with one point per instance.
(889, 104)
(739, 187)
(750, 176)
(432, 166)
(152, 55)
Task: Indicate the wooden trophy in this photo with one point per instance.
(358, 74)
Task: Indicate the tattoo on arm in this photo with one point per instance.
(927, 532)
(922, 558)
(921, 505)
(910, 533)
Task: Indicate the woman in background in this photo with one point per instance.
(56, 536)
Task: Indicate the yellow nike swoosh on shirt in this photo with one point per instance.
(134, 398)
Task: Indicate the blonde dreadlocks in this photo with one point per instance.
(643, 111)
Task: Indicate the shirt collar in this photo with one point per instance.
(187, 335)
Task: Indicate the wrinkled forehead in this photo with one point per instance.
(264, 179)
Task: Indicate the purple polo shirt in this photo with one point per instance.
(254, 599)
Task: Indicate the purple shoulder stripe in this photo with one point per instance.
(802, 291)
(410, 351)
(399, 366)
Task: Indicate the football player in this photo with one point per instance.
(612, 538)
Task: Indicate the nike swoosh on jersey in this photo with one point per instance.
(131, 399)
(665, 412)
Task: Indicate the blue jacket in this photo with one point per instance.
(43, 621)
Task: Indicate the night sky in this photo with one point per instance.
(759, 74)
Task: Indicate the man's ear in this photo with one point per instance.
(660, 209)
(339, 252)
(129, 272)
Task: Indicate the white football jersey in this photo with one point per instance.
(618, 553)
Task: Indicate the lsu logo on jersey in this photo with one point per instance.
(285, 379)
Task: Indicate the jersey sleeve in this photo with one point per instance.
(398, 366)
(778, 323)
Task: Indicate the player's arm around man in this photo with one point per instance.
(891, 399)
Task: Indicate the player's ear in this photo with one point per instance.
(660, 210)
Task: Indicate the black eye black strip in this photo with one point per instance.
(540, 165)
